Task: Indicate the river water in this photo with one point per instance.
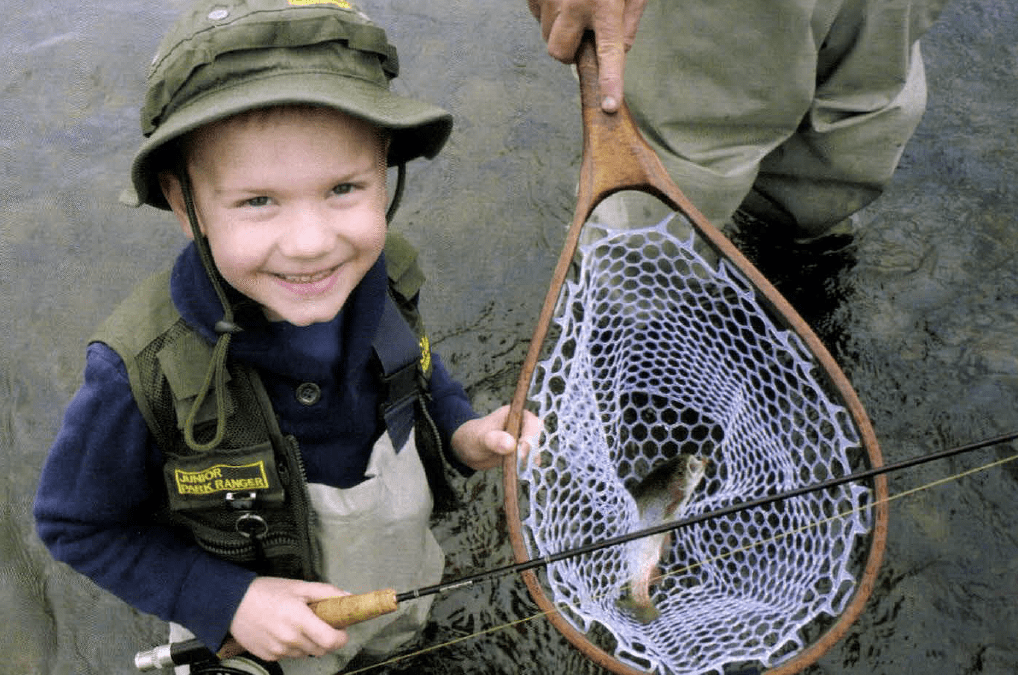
(921, 309)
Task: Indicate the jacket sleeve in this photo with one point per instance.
(95, 509)
(449, 407)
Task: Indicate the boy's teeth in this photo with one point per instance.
(305, 278)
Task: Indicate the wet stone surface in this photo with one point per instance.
(921, 310)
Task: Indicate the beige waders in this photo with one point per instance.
(798, 110)
(374, 535)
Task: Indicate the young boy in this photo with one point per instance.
(264, 425)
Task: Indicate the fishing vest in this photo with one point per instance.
(246, 499)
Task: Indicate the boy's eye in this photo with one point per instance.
(343, 189)
(257, 201)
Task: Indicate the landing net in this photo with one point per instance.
(659, 352)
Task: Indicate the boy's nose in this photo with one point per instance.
(308, 234)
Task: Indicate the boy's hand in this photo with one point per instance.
(274, 621)
(483, 443)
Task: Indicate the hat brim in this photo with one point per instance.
(418, 129)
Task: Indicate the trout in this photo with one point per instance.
(660, 496)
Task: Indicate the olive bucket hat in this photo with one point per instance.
(223, 57)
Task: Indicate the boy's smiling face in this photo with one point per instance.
(292, 201)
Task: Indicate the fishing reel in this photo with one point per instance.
(201, 661)
(241, 665)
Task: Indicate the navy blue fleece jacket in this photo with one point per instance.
(101, 484)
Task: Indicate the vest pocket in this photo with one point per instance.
(220, 478)
(236, 507)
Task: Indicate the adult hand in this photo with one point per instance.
(273, 620)
(614, 23)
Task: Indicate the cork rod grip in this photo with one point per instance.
(339, 612)
(346, 610)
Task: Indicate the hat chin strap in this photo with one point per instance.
(397, 193)
(225, 329)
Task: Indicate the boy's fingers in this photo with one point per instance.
(526, 446)
(316, 637)
(501, 442)
(323, 638)
(317, 590)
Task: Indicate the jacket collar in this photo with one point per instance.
(280, 347)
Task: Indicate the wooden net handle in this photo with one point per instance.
(615, 158)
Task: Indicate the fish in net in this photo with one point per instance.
(658, 352)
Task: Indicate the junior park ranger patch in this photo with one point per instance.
(221, 478)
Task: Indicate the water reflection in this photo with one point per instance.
(921, 309)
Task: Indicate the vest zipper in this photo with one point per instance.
(233, 551)
(297, 490)
(302, 507)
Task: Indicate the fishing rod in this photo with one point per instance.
(347, 610)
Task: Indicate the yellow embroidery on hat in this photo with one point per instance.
(302, 3)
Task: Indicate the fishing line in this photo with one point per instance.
(614, 541)
(848, 512)
(543, 561)
(448, 643)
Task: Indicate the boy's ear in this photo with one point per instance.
(174, 193)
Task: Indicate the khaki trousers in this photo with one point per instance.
(374, 535)
(798, 110)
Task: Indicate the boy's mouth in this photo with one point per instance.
(307, 278)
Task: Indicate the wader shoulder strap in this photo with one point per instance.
(403, 351)
(399, 352)
(405, 361)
